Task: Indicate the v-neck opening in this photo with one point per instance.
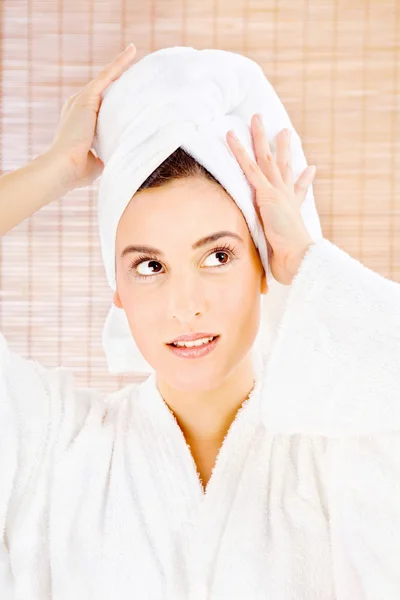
(204, 489)
(156, 404)
(190, 518)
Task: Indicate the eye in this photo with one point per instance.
(222, 253)
(153, 267)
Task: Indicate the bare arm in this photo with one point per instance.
(70, 162)
(29, 188)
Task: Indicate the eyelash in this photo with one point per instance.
(231, 250)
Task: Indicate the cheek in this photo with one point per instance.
(142, 312)
(146, 327)
(240, 296)
(145, 323)
(238, 310)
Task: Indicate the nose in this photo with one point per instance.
(185, 298)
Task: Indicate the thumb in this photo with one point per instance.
(94, 168)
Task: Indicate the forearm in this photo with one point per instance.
(29, 188)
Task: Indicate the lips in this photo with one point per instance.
(194, 352)
(191, 337)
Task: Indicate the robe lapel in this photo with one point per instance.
(190, 522)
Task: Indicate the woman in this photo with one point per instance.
(177, 488)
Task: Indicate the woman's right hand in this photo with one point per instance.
(74, 136)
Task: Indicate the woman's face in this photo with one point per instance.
(180, 288)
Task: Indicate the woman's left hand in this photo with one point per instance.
(278, 199)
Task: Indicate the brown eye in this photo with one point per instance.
(153, 267)
(223, 254)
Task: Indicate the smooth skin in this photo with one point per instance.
(69, 163)
(76, 129)
(278, 198)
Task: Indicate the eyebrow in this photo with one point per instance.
(208, 239)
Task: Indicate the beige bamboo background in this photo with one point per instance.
(335, 64)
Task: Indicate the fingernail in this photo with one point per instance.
(233, 134)
(313, 169)
(259, 120)
(129, 47)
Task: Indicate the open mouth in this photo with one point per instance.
(194, 350)
(194, 344)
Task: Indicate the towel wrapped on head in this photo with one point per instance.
(184, 97)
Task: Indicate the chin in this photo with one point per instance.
(194, 378)
(193, 385)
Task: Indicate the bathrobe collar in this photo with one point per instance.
(197, 517)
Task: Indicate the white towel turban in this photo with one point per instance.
(182, 96)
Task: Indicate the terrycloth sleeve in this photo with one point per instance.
(335, 365)
(335, 372)
(34, 402)
(364, 510)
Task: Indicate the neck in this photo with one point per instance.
(206, 415)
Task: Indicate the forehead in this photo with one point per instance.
(191, 207)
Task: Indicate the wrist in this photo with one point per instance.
(294, 261)
(30, 188)
(58, 172)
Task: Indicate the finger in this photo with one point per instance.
(118, 65)
(263, 154)
(283, 156)
(304, 182)
(249, 167)
(111, 72)
(287, 176)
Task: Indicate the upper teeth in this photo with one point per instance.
(194, 343)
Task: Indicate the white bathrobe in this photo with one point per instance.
(100, 497)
